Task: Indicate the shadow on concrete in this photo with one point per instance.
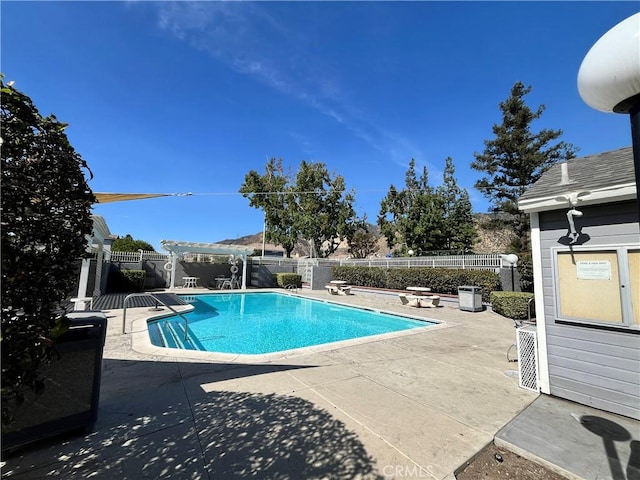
(633, 468)
(274, 436)
(156, 420)
(611, 432)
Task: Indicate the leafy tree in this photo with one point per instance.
(325, 214)
(313, 206)
(273, 193)
(459, 228)
(364, 241)
(128, 244)
(517, 157)
(46, 213)
(412, 218)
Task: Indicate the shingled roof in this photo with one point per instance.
(607, 176)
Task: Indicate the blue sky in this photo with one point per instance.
(190, 96)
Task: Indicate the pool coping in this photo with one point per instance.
(141, 340)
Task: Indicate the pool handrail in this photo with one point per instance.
(124, 313)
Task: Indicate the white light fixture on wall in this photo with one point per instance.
(573, 234)
(573, 198)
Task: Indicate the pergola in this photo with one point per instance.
(176, 248)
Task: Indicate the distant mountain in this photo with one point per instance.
(254, 241)
(256, 238)
(494, 237)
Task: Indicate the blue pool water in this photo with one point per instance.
(254, 323)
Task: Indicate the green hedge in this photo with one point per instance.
(283, 279)
(126, 281)
(439, 280)
(512, 304)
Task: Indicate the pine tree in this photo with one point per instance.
(459, 229)
(412, 218)
(517, 157)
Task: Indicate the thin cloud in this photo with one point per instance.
(249, 40)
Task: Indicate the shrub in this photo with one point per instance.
(136, 279)
(511, 304)
(126, 281)
(525, 269)
(46, 213)
(440, 280)
(283, 279)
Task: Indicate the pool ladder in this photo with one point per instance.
(132, 295)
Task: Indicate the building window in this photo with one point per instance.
(598, 285)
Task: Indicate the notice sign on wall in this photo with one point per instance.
(594, 270)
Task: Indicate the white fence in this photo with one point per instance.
(133, 257)
(492, 261)
(478, 262)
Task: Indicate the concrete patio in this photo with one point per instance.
(412, 406)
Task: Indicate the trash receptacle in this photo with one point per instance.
(71, 393)
(470, 298)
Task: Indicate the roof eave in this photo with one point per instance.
(615, 193)
(100, 228)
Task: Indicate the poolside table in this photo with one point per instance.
(419, 290)
(420, 295)
(339, 287)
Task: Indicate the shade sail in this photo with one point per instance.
(121, 197)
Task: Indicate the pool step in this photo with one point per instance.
(171, 334)
(192, 341)
(176, 338)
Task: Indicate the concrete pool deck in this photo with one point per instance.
(412, 406)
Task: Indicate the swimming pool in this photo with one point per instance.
(266, 322)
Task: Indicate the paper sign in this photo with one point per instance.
(594, 270)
